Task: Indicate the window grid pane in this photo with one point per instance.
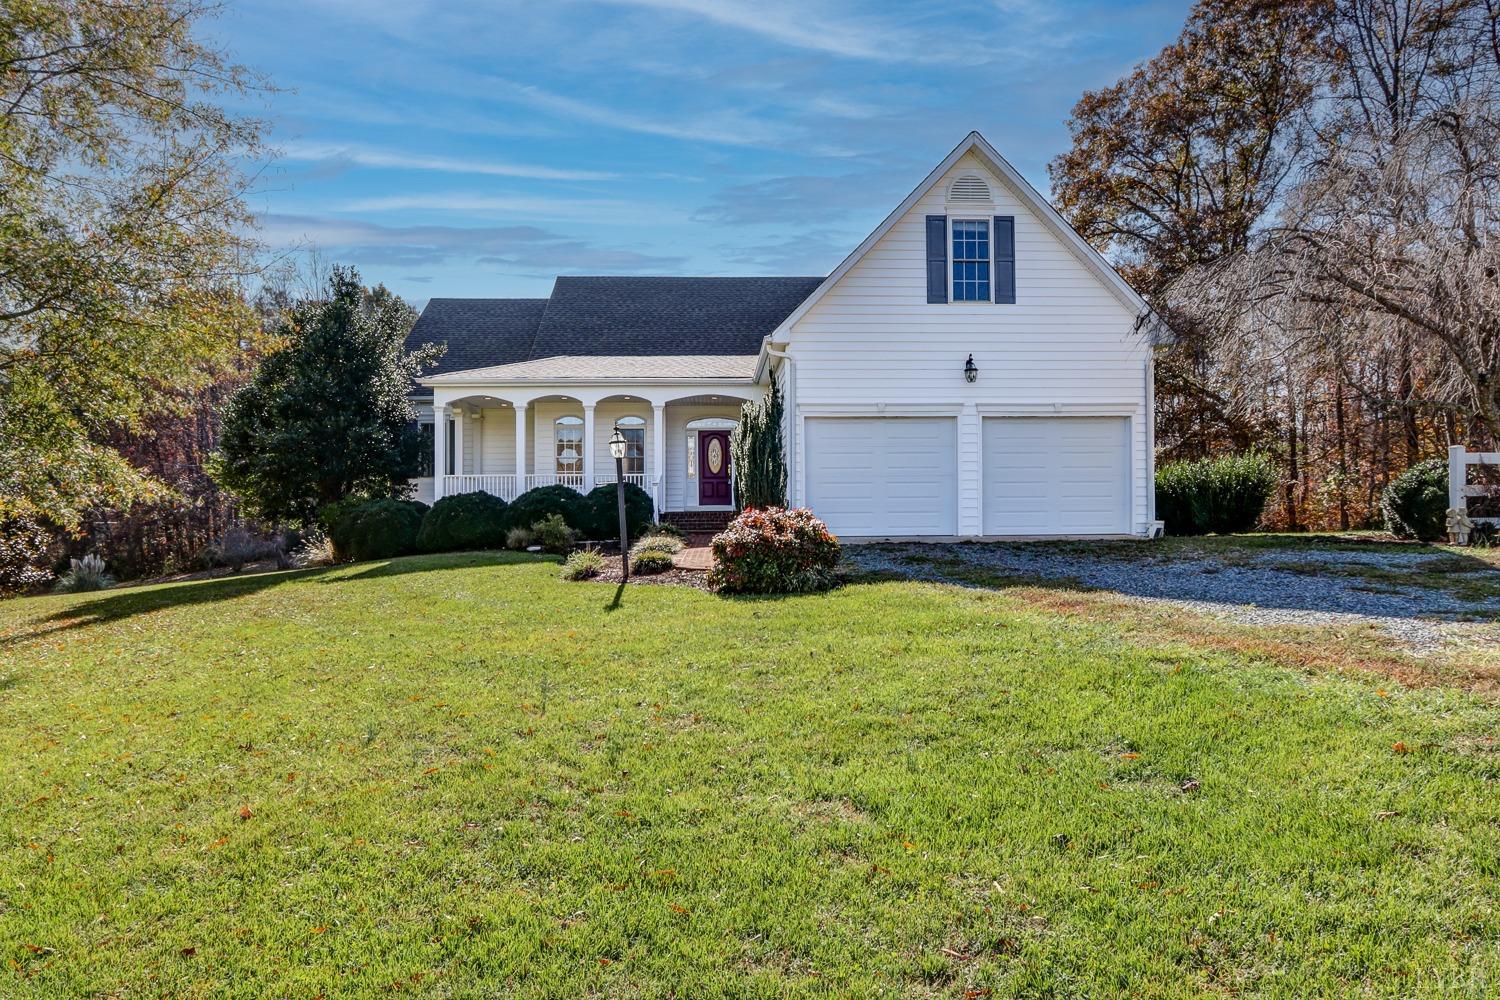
(569, 449)
(971, 261)
(635, 450)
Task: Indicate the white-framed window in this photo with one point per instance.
(567, 443)
(633, 429)
(970, 240)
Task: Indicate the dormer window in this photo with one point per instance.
(971, 260)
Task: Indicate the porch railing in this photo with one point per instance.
(572, 480)
(633, 478)
(503, 487)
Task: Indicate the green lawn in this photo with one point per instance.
(459, 776)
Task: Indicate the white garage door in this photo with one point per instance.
(883, 476)
(1056, 475)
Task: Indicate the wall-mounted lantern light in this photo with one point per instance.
(971, 373)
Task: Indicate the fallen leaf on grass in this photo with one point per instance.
(1400, 747)
(1130, 756)
(245, 812)
(320, 930)
(679, 909)
(1387, 814)
(188, 952)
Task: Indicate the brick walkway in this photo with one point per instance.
(699, 557)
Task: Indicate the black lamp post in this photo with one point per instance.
(617, 449)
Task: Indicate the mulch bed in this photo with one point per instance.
(671, 578)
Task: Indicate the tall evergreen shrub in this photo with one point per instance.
(758, 452)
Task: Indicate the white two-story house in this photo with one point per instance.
(972, 369)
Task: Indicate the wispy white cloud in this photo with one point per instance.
(450, 202)
(527, 249)
(727, 128)
(368, 156)
(797, 24)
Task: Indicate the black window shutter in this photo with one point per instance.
(1005, 258)
(937, 258)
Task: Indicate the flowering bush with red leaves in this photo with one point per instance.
(773, 550)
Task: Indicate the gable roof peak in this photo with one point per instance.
(1029, 196)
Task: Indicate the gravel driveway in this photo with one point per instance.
(1291, 586)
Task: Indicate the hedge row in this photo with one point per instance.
(380, 529)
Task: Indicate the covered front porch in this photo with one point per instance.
(507, 439)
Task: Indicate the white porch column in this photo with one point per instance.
(588, 447)
(520, 448)
(459, 416)
(479, 442)
(658, 458)
(439, 449)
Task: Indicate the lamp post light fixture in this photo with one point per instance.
(617, 449)
(971, 373)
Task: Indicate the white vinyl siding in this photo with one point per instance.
(883, 476)
(1067, 346)
(1056, 476)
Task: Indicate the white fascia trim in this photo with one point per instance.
(444, 382)
(1059, 409)
(1018, 184)
(880, 409)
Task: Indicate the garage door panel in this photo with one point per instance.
(877, 476)
(1056, 475)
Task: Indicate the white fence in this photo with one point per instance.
(1460, 459)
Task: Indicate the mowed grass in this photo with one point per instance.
(460, 776)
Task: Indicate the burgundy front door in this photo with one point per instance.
(713, 468)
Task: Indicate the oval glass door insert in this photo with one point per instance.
(715, 455)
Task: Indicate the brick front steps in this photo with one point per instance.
(699, 522)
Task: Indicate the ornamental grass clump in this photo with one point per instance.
(585, 564)
(84, 574)
(774, 550)
(653, 554)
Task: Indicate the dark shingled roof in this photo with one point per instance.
(478, 332)
(644, 316)
(611, 316)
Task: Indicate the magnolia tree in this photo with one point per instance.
(328, 416)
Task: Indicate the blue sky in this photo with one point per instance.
(481, 148)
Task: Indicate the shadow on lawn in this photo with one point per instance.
(126, 602)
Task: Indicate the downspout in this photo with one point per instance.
(791, 420)
(1150, 438)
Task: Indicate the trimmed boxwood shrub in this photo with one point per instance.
(463, 521)
(1214, 495)
(1415, 504)
(773, 550)
(379, 529)
(604, 511)
(535, 504)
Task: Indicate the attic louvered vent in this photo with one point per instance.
(969, 188)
